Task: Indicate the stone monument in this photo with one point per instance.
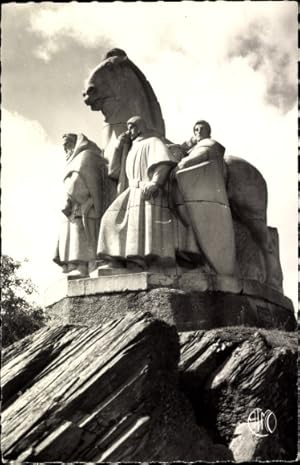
(156, 233)
(87, 195)
(137, 229)
(186, 237)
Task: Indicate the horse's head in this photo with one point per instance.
(101, 88)
(118, 89)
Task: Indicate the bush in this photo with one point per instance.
(20, 317)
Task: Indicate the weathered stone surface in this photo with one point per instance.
(250, 258)
(247, 447)
(200, 180)
(221, 303)
(171, 278)
(25, 360)
(103, 393)
(227, 373)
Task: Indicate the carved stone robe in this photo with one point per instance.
(133, 227)
(88, 193)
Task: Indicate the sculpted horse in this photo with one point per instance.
(118, 89)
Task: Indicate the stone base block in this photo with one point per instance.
(190, 302)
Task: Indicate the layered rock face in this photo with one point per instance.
(230, 373)
(121, 392)
(99, 394)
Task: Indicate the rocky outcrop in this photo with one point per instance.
(100, 394)
(229, 373)
(121, 392)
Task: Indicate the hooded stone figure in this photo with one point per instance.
(88, 192)
(137, 230)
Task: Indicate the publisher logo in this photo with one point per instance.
(262, 423)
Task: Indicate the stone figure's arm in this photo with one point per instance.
(114, 167)
(187, 145)
(77, 194)
(197, 156)
(67, 207)
(158, 178)
(160, 173)
(122, 148)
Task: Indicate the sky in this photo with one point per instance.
(231, 63)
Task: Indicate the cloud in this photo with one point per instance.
(262, 34)
(31, 182)
(269, 54)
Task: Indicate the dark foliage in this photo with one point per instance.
(20, 317)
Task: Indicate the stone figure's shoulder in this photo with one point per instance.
(88, 163)
(156, 139)
(211, 145)
(150, 140)
(92, 157)
(208, 142)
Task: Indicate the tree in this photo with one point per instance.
(20, 316)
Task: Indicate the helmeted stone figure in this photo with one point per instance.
(239, 192)
(202, 204)
(137, 229)
(88, 193)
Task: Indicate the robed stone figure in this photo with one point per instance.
(137, 230)
(87, 195)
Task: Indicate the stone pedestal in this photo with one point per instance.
(190, 301)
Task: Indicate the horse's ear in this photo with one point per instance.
(115, 52)
(111, 62)
(119, 60)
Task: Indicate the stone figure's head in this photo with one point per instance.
(136, 126)
(202, 130)
(69, 142)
